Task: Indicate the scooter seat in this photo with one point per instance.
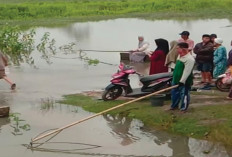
(155, 77)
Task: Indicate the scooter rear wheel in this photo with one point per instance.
(221, 86)
(112, 93)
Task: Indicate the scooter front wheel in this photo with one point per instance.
(112, 93)
(221, 86)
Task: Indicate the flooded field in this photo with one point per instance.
(105, 135)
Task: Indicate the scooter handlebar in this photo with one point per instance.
(140, 75)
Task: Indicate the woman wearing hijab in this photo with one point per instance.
(158, 57)
(220, 58)
(139, 54)
(172, 56)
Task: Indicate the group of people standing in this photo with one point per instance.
(209, 56)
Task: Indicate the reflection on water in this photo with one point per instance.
(78, 31)
(4, 121)
(201, 148)
(121, 128)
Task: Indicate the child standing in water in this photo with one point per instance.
(3, 64)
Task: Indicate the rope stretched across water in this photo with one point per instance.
(82, 55)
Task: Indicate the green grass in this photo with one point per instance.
(205, 122)
(40, 9)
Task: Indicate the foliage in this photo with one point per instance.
(17, 45)
(25, 9)
(47, 104)
(18, 124)
(47, 47)
(69, 48)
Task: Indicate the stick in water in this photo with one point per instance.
(100, 113)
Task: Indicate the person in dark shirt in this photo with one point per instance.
(204, 58)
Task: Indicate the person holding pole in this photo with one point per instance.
(183, 77)
(3, 64)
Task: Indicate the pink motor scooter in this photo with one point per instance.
(120, 82)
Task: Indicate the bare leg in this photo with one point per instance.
(209, 77)
(203, 74)
(13, 85)
(8, 80)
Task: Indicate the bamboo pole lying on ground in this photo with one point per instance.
(100, 113)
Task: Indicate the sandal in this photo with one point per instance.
(13, 86)
(229, 98)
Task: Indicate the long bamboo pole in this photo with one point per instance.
(105, 50)
(100, 113)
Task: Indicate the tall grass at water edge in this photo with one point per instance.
(27, 9)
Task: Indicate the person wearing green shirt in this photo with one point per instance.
(183, 77)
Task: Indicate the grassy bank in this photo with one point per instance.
(45, 9)
(211, 122)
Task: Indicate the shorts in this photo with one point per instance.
(2, 74)
(205, 67)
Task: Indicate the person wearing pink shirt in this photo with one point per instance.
(185, 38)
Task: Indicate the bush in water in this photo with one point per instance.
(18, 45)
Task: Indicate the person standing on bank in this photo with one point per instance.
(158, 57)
(139, 54)
(229, 64)
(204, 59)
(3, 64)
(172, 55)
(229, 61)
(185, 38)
(220, 58)
(213, 37)
(183, 77)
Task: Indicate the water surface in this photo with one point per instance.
(115, 136)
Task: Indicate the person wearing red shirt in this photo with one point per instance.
(158, 57)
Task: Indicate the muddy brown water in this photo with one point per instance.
(105, 135)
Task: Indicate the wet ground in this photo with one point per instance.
(104, 135)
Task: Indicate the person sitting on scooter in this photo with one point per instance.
(183, 77)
